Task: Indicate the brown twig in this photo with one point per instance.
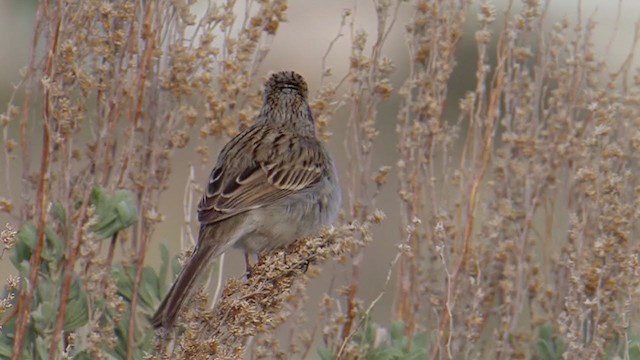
(14, 311)
(148, 35)
(68, 273)
(24, 117)
(150, 32)
(367, 312)
(27, 292)
(471, 205)
(364, 108)
(78, 233)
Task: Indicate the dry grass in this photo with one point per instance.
(518, 219)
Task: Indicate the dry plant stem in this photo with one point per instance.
(367, 312)
(616, 28)
(136, 289)
(114, 110)
(119, 96)
(363, 111)
(354, 195)
(432, 37)
(72, 250)
(10, 316)
(626, 65)
(112, 248)
(24, 118)
(126, 155)
(520, 281)
(26, 294)
(471, 205)
(68, 274)
(324, 68)
(150, 33)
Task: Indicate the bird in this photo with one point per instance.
(273, 183)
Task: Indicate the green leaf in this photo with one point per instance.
(324, 353)
(25, 269)
(25, 244)
(148, 287)
(396, 331)
(46, 290)
(147, 294)
(123, 282)
(59, 214)
(28, 235)
(44, 316)
(127, 212)
(547, 348)
(144, 343)
(114, 213)
(42, 348)
(77, 313)
(175, 267)
(121, 331)
(52, 252)
(5, 349)
(164, 266)
(83, 355)
(55, 249)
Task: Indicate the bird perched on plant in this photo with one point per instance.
(273, 183)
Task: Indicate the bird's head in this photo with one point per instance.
(285, 83)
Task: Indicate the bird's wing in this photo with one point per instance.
(250, 175)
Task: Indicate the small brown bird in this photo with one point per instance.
(273, 183)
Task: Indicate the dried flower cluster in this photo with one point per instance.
(258, 305)
(8, 237)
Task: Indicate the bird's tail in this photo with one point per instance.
(168, 310)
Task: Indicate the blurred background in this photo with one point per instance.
(299, 45)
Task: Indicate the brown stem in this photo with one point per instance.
(351, 298)
(112, 248)
(134, 299)
(150, 37)
(27, 292)
(68, 275)
(13, 313)
(408, 267)
(485, 158)
(24, 118)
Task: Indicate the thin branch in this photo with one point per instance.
(373, 303)
(150, 37)
(68, 273)
(27, 292)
